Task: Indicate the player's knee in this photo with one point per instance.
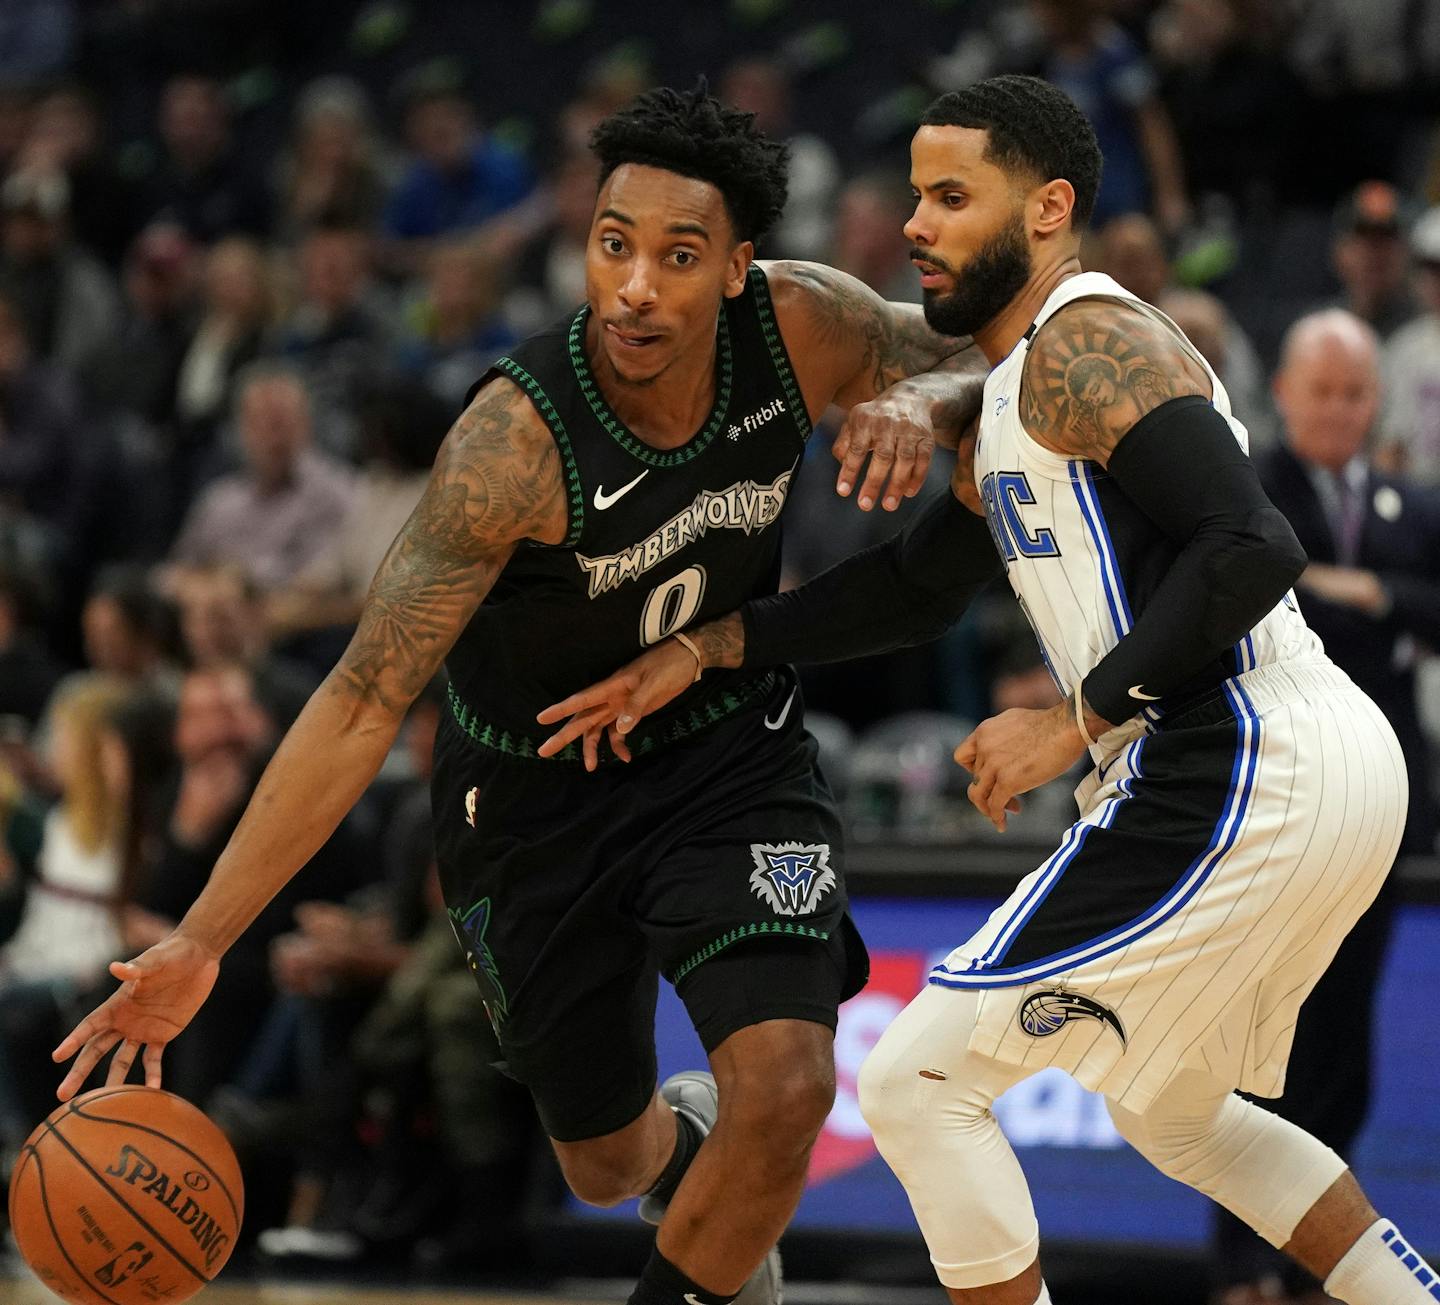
(603, 1177)
(787, 1075)
(801, 1095)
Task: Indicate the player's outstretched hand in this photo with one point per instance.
(895, 432)
(159, 993)
(614, 705)
(1016, 751)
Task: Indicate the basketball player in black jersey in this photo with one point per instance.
(613, 480)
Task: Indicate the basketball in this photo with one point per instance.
(126, 1194)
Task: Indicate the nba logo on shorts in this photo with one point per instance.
(791, 877)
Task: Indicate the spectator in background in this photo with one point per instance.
(1410, 424)
(130, 630)
(222, 623)
(65, 297)
(202, 182)
(135, 371)
(401, 427)
(67, 134)
(223, 738)
(549, 279)
(277, 514)
(459, 328)
(235, 315)
(1094, 62)
(869, 240)
(37, 38)
(1212, 330)
(338, 335)
(69, 926)
(38, 451)
(29, 672)
(1370, 258)
(1372, 587)
(762, 86)
(331, 173)
(1219, 82)
(459, 177)
(1132, 250)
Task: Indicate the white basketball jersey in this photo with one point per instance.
(1081, 557)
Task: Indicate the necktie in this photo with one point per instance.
(1350, 517)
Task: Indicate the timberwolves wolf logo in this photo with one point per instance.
(791, 877)
(1051, 1010)
(470, 925)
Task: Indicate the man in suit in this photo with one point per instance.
(1372, 592)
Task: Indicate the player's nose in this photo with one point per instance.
(638, 291)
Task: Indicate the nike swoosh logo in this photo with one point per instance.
(784, 712)
(604, 501)
(1137, 692)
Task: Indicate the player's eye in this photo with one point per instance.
(954, 199)
(683, 258)
(612, 244)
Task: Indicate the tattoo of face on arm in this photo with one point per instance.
(1095, 369)
(496, 481)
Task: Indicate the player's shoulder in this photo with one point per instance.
(1096, 366)
(500, 410)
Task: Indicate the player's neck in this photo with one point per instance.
(667, 411)
(1006, 329)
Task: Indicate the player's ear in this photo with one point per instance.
(735, 274)
(1051, 206)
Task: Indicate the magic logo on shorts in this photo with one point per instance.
(1047, 1012)
(791, 877)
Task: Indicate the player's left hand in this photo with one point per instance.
(611, 708)
(895, 431)
(1016, 751)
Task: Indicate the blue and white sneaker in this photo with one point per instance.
(693, 1093)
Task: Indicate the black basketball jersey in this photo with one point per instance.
(659, 540)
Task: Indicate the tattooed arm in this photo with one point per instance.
(496, 481)
(906, 387)
(1095, 369)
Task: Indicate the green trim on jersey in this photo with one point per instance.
(542, 403)
(766, 310)
(621, 433)
(701, 715)
(762, 929)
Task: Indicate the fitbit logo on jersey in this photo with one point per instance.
(744, 506)
(756, 419)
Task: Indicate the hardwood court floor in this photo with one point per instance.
(31, 1293)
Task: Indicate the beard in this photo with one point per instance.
(984, 287)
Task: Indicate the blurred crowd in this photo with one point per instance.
(252, 256)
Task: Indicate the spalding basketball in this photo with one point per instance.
(126, 1195)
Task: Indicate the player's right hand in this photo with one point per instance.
(160, 991)
(614, 705)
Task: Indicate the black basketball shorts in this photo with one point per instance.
(716, 861)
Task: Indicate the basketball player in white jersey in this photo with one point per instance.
(1246, 799)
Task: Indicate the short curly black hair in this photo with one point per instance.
(692, 133)
(1033, 126)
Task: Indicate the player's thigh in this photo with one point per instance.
(535, 892)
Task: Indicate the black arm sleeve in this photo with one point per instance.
(908, 590)
(1182, 466)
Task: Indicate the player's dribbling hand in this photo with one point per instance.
(614, 705)
(895, 432)
(1014, 752)
(160, 991)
